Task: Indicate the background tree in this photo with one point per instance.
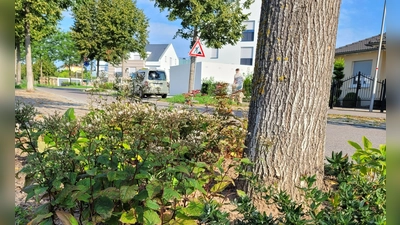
(85, 31)
(338, 75)
(65, 50)
(39, 19)
(43, 68)
(124, 28)
(291, 83)
(215, 22)
(44, 51)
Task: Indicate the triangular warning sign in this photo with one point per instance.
(197, 50)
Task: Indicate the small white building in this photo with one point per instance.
(159, 56)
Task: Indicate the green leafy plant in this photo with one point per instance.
(247, 86)
(126, 163)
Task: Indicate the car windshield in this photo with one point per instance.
(157, 75)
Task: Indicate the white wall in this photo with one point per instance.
(179, 80)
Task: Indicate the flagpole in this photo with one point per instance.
(371, 105)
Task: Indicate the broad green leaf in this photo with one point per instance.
(220, 186)
(151, 204)
(116, 175)
(47, 221)
(367, 143)
(182, 169)
(179, 221)
(92, 172)
(166, 140)
(194, 209)
(241, 193)
(151, 218)
(39, 218)
(153, 189)
(355, 145)
(111, 192)
(170, 194)
(66, 218)
(70, 114)
(104, 207)
(246, 161)
(201, 164)
(128, 217)
(126, 146)
(128, 192)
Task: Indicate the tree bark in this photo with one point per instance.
(192, 72)
(29, 72)
(289, 105)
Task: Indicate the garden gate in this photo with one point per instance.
(356, 92)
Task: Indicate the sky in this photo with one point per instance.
(358, 19)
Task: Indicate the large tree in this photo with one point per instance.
(109, 29)
(65, 50)
(38, 18)
(292, 77)
(215, 22)
(85, 31)
(124, 28)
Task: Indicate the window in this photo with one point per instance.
(248, 33)
(170, 61)
(364, 67)
(246, 56)
(214, 53)
(157, 75)
(165, 58)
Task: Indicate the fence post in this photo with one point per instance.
(383, 98)
(358, 88)
(332, 92)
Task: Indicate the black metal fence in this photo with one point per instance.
(356, 92)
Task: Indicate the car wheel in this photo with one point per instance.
(164, 96)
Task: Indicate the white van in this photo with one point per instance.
(151, 82)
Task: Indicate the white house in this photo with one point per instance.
(159, 56)
(243, 53)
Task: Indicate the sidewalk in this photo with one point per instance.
(357, 112)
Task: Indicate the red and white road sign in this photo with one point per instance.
(197, 50)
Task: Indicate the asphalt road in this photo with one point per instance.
(337, 134)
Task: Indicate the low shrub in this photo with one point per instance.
(247, 86)
(22, 85)
(208, 86)
(127, 163)
(348, 100)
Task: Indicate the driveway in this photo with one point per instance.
(337, 133)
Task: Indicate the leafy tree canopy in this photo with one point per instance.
(216, 22)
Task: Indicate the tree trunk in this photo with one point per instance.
(98, 68)
(122, 68)
(29, 72)
(292, 76)
(19, 63)
(41, 69)
(192, 72)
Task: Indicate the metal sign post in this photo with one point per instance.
(371, 105)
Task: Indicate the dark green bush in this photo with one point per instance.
(208, 86)
(247, 86)
(348, 100)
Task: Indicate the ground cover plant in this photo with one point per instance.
(128, 162)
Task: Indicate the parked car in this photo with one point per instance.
(149, 82)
